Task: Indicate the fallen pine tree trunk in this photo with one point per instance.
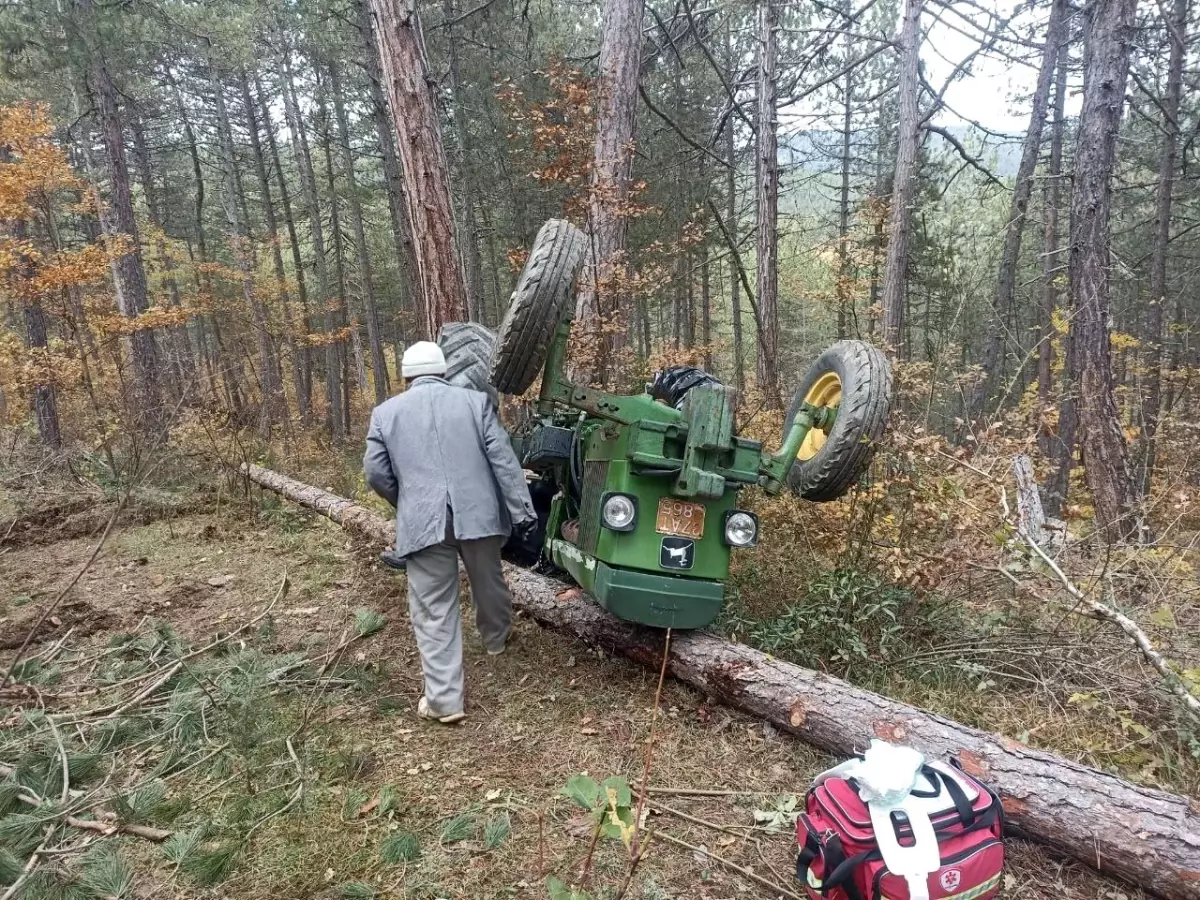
(1148, 837)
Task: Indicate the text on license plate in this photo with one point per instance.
(679, 517)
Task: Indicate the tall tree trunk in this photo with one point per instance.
(1109, 38)
(43, 399)
(470, 231)
(338, 319)
(393, 183)
(731, 226)
(1006, 277)
(285, 199)
(766, 171)
(440, 279)
(602, 290)
(335, 419)
(1059, 443)
(1152, 405)
(129, 275)
(271, 410)
(844, 291)
(909, 50)
(272, 222)
(379, 372)
(182, 363)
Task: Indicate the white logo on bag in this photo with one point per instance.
(951, 879)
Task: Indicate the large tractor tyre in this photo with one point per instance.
(857, 379)
(537, 305)
(468, 347)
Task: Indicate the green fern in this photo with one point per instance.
(367, 622)
(400, 847)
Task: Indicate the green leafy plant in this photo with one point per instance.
(610, 803)
(779, 816)
(560, 891)
(356, 890)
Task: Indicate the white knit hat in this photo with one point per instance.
(423, 358)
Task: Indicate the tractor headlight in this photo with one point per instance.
(618, 512)
(741, 528)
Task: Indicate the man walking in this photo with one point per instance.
(438, 454)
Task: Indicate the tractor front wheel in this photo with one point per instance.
(855, 379)
(537, 305)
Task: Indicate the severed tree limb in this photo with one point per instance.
(1146, 836)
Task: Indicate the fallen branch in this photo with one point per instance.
(1101, 610)
(1146, 836)
(771, 886)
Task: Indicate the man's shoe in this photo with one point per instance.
(425, 712)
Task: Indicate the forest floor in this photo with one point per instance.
(388, 805)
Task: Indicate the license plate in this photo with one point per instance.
(680, 518)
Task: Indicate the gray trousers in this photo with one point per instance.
(436, 616)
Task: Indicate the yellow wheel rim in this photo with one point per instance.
(825, 392)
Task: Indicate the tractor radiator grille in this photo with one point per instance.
(594, 476)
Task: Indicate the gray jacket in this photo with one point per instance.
(437, 446)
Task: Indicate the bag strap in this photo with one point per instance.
(842, 874)
(966, 810)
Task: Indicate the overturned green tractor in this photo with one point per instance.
(638, 496)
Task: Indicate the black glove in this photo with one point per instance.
(392, 560)
(525, 531)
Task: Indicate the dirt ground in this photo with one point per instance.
(548, 709)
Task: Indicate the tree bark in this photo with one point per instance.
(1109, 38)
(1006, 277)
(272, 222)
(394, 185)
(379, 372)
(1146, 836)
(470, 230)
(909, 50)
(1050, 262)
(1152, 405)
(602, 294)
(129, 275)
(300, 149)
(844, 291)
(766, 181)
(441, 284)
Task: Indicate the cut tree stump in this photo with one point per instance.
(1145, 836)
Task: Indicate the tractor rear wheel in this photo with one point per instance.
(537, 305)
(468, 347)
(856, 378)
